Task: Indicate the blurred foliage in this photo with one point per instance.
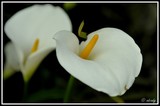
(49, 82)
(69, 6)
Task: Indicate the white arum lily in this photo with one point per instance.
(108, 61)
(31, 31)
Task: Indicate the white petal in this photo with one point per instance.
(67, 36)
(12, 60)
(12, 56)
(89, 72)
(37, 21)
(33, 61)
(117, 53)
(8, 71)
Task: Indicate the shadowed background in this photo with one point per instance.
(49, 82)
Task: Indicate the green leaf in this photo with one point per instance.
(46, 94)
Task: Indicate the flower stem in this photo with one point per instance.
(118, 99)
(25, 91)
(69, 89)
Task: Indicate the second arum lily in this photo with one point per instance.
(31, 31)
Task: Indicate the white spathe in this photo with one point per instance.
(112, 65)
(23, 28)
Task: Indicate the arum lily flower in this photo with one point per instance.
(108, 61)
(30, 31)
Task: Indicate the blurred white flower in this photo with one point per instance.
(30, 31)
(108, 61)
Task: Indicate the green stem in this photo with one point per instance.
(68, 89)
(118, 99)
(25, 91)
